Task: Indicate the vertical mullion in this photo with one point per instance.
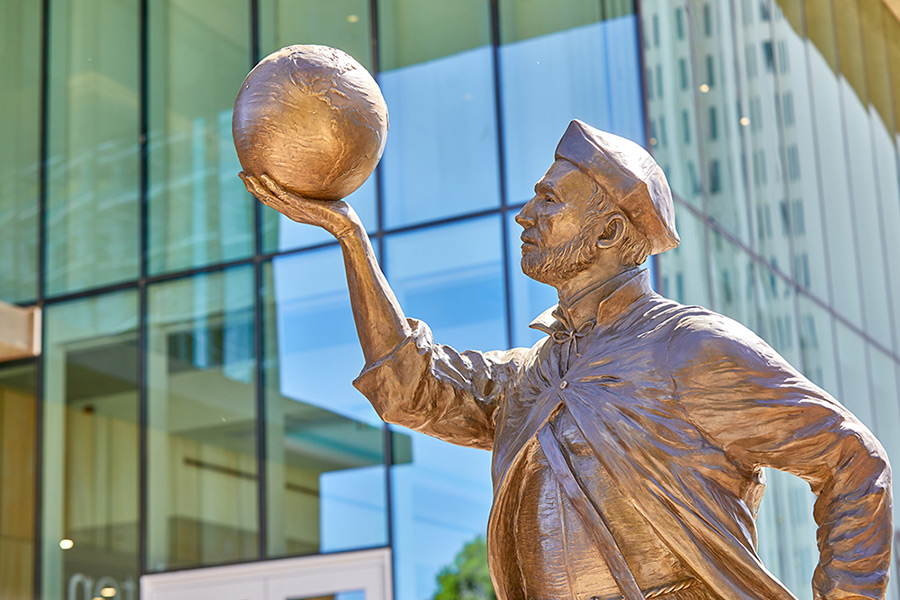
(259, 384)
(43, 150)
(501, 167)
(144, 123)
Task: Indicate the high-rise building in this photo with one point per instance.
(190, 418)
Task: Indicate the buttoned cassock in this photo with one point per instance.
(664, 417)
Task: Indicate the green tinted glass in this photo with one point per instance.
(20, 132)
(202, 504)
(93, 161)
(90, 449)
(523, 19)
(199, 211)
(18, 413)
(415, 31)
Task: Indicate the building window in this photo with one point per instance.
(765, 12)
(713, 124)
(663, 138)
(679, 24)
(685, 127)
(799, 218)
(715, 185)
(750, 60)
(649, 84)
(785, 217)
(769, 55)
(710, 70)
(788, 101)
(783, 59)
(793, 160)
(659, 85)
(683, 70)
(707, 20)
(656, 30)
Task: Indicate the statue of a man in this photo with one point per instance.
(629, 442)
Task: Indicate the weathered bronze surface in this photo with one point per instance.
(312, 118)
(628, 443)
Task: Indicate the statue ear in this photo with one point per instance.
(613, 231)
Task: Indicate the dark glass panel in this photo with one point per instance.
(201, 445)
(93, 159)
(90, 511)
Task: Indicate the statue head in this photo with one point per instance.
(603, 199)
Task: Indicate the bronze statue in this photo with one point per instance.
(628, 443)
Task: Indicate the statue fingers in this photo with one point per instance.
(254, 186)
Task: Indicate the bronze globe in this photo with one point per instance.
(313, 119)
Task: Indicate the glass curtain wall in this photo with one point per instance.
(775, 122)
(199, 350)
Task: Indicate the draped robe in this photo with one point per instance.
(680, 409)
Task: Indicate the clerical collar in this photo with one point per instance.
(617, 294)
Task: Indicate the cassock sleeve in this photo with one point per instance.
(764, 413)
(438, 391)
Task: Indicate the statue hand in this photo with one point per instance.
(335, 216)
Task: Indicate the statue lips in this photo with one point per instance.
(529, 243)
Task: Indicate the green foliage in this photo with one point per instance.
(468, 577)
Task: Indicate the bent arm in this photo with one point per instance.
(764, 413)
(380, 322)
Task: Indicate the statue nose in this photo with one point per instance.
(524, 218)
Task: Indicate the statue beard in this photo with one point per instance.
(558, 264)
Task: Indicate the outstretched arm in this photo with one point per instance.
(380, 322)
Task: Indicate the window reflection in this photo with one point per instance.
(199, 211)
(93, 155)
(90, 447)
(440, 158)
(325, 444)
(19, 156)
(201, 437)
(442, 496)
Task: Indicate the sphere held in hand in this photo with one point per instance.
(313, 119)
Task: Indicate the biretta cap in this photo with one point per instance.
(630, 175)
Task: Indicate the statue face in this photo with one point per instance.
(556, 244)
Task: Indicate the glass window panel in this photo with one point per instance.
(817, 345)
(201, 435)
(529, 297)
(440, 159)
(343, 24)
(534, 119)
(836, 209)
(523, 19)
(683, 271)
(416, 31)
(93, 160)
(451, 276)
(325, 444)
(735, 287)
(441, 492)
(90, 518)
(20, 45)
(864, 197)
(854, 374)
(199, 211)
(787, 532)
(18, 429)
